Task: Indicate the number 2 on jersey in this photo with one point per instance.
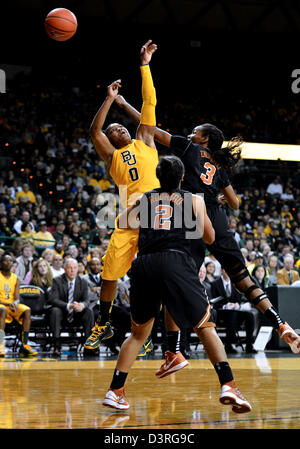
(207, 177)
(163, 213)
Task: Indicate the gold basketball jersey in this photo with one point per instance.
(7, 288)
(133, 169)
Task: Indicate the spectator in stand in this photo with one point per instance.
(26, 193)
(285, 250)
(84, 232)
(69, 301)
(272, 269)
(296, 236)
(48, 255)
(97, 235)
(258, 260)
(25, 261)
(65, 242)
(261, 277)
(41, 275)
(266, 250)
(275, 188)
(58, 248)
(202, 278)
(57, 265)
(43, 238)
(5, 230)
(25, 218)
(81, 268)
(211, 258)
(245, 255)
(287, 275)
(53, 225)
(59, 232)
(210, 272)
(93, 278)
(27, 231)
(74, 233)
(84, 247)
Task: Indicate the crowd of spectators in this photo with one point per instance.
(57, 199)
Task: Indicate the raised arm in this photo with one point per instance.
(102, 145)
(146, 128)
(160, 136)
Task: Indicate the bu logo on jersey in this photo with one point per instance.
(130, 160)
(128, 157)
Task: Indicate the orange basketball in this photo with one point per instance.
(60, 24)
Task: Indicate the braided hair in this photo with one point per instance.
(227, 157)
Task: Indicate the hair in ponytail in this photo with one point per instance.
(169, 172)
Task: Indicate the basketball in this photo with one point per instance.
(60, 24)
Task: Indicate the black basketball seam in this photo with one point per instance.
(58, 29)
(62, 18)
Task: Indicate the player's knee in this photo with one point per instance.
(254, 294)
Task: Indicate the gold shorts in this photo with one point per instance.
(121, 250)
(17, 315)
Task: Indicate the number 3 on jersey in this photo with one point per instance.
(207, 177)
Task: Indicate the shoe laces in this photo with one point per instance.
(96, 331)
(239, 393)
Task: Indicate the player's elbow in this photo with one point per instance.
(92, 131)
(209, 237)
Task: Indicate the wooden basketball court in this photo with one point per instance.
(45, 393)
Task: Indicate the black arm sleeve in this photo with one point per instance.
(179, 145)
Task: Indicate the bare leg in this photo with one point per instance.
(132, 345)
(212, 344)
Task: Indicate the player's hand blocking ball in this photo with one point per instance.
(60, 24)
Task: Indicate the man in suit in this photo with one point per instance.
(93, 278)
(229, 311)
(286, 276)
(69, 302)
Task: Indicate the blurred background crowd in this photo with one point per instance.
(58, 201)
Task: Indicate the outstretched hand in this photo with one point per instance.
(147, 51)
(113, 88)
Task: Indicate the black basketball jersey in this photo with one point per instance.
(202, 173)
(167, 222)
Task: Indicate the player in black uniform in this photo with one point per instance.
(164, 270)
(206, 166)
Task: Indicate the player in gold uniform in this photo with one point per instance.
(10, 308)
(132, 165)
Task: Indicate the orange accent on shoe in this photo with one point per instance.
(290, 337)
(231, 395)
(116, 399)
(173, 362)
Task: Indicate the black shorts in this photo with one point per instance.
(225, 247)
(170, 278)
